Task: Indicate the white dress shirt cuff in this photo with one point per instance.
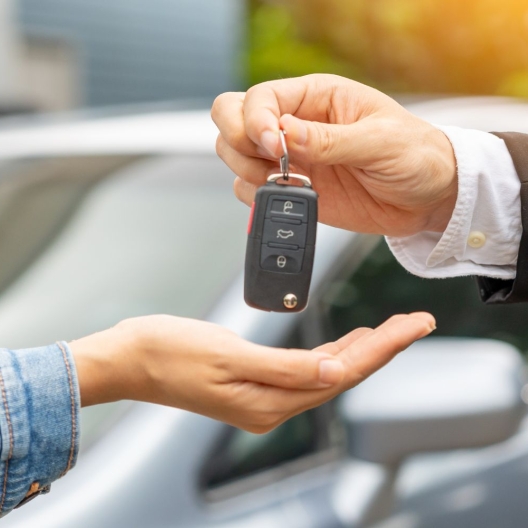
(483, 235)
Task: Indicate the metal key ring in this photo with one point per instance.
(306, 181)
(285, 158)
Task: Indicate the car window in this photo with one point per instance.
(380, 287)
(241, 454)
(96, 240)
(36, 199)
(255, 460)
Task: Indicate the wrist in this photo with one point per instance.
(108, 364)
(445, 174)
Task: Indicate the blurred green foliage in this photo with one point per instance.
(277, 50)
(419, 46)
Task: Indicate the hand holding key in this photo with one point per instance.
(376, 167)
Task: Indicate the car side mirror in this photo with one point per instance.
(442, 393)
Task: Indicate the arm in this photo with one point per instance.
(183, 363)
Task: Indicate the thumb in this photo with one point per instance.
(287, 368)
(327, 144)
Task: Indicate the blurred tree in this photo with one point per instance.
(432, 46)
(277, 49)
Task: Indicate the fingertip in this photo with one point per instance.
(427, 318)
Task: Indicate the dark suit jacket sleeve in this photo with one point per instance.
(496, 291)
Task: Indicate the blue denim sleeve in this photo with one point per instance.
(39, 421)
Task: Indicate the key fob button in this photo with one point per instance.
(288, 208)
(284, 233)
(281, 260)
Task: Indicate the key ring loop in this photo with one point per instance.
(285, 158)
(306, 181)
(285, 165)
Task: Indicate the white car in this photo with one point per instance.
(107, 217)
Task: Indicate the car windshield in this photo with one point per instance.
(87, 242)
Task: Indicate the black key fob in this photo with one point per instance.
(281, 246)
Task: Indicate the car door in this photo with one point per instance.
(280, 479)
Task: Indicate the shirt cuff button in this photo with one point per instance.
(476, 239)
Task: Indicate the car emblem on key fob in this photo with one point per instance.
(281, 242)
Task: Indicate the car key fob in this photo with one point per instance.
(281, 245)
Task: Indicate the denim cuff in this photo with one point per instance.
(39, 421)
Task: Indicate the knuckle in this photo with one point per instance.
(216, 108)
(244, 191)
(239, 188)
(364, 329)
(246, 170)
(288, 378)
(235, 136)
(220, 145)
(288, 373)
(231, 128)
(386, 335)
(396, 318)
(391, 340)
(326, 142)
(256, 88)
(221, 103)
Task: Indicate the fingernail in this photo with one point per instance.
(431, 328)
(331, 371)
(269, 140)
